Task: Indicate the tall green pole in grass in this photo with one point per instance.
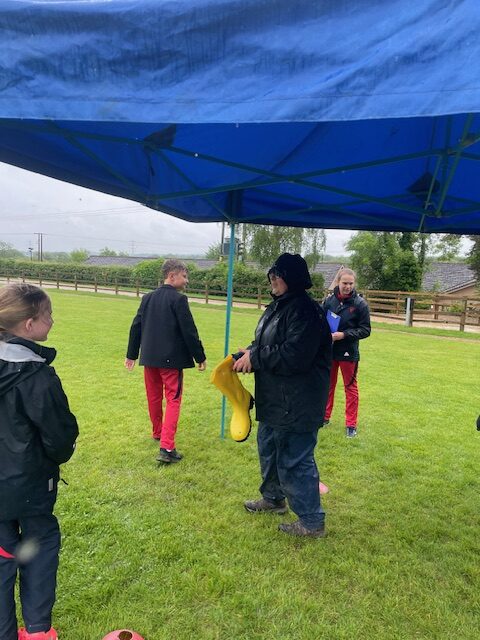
(231, 255)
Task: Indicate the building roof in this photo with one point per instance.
(328, 270)
(131, 261)
(448, 276)
(116, 261)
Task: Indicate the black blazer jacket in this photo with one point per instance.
(164, 332)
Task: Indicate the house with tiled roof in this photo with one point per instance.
(115, 261)
(450, 278)
(329, 271)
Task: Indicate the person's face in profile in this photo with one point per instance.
(178, 279)
(278, 284)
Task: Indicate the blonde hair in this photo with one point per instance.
(343, 271)
(19, 302)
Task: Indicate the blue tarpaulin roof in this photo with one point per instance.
(332, 114)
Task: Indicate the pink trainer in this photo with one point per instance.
(39, 635)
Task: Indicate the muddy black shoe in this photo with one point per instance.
(168, 456)
(350, 432)
(297, 529)
(264, 506)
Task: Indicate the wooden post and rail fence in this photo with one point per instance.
(408, 307)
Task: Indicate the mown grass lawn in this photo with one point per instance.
(170, 551)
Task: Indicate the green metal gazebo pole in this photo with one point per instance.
(231, 255)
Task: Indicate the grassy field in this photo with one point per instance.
(170, 551)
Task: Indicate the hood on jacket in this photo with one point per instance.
(293, 269)
(16, 354)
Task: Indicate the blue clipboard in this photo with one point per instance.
(333, 320)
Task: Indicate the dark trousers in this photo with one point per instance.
(289, 471)
(38, 574)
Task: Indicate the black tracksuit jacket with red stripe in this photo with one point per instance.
(354, 323)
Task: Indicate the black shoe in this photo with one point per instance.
(350, 432)
(263, 506)
(297, 529)
(168, 456)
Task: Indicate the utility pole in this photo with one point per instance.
(222, 241)
(40, 246)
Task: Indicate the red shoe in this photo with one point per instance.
(39, 635)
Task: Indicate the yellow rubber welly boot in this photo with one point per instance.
(227, 381)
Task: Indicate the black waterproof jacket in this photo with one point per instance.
(37, 429)
(291, 358)
(164, 331)
(354, 322)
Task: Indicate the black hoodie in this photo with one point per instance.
(37, 429)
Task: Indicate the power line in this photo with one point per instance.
(111, 240)
(85, 213)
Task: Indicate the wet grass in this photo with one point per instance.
(170, 552)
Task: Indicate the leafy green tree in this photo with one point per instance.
(445, 247)
(385, 261)
(214, 251)
(474, 256)
(314, 244)
(397, 260)
(56, 256)
(265, 243)
(8, 251)
(79, 255)
(106, 251)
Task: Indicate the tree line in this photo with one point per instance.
(391, 261)
(388, 261)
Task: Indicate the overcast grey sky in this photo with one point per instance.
(72, 217)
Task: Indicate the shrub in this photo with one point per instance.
(148, 274)
(67, 272)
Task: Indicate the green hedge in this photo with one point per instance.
(65, 272)
(148, 274)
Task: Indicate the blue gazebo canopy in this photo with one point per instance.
(358, 115)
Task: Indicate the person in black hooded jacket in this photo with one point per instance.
(37, 434)
(353, 318)
(290, 358)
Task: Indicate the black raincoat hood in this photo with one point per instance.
(17, 360)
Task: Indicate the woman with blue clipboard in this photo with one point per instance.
(349, 319)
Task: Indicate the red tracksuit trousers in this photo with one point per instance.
(349, 375)
(160, 383)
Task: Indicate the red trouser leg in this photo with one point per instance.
(331, 390)
(154, 389)
(173, 384)
(349, 374)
